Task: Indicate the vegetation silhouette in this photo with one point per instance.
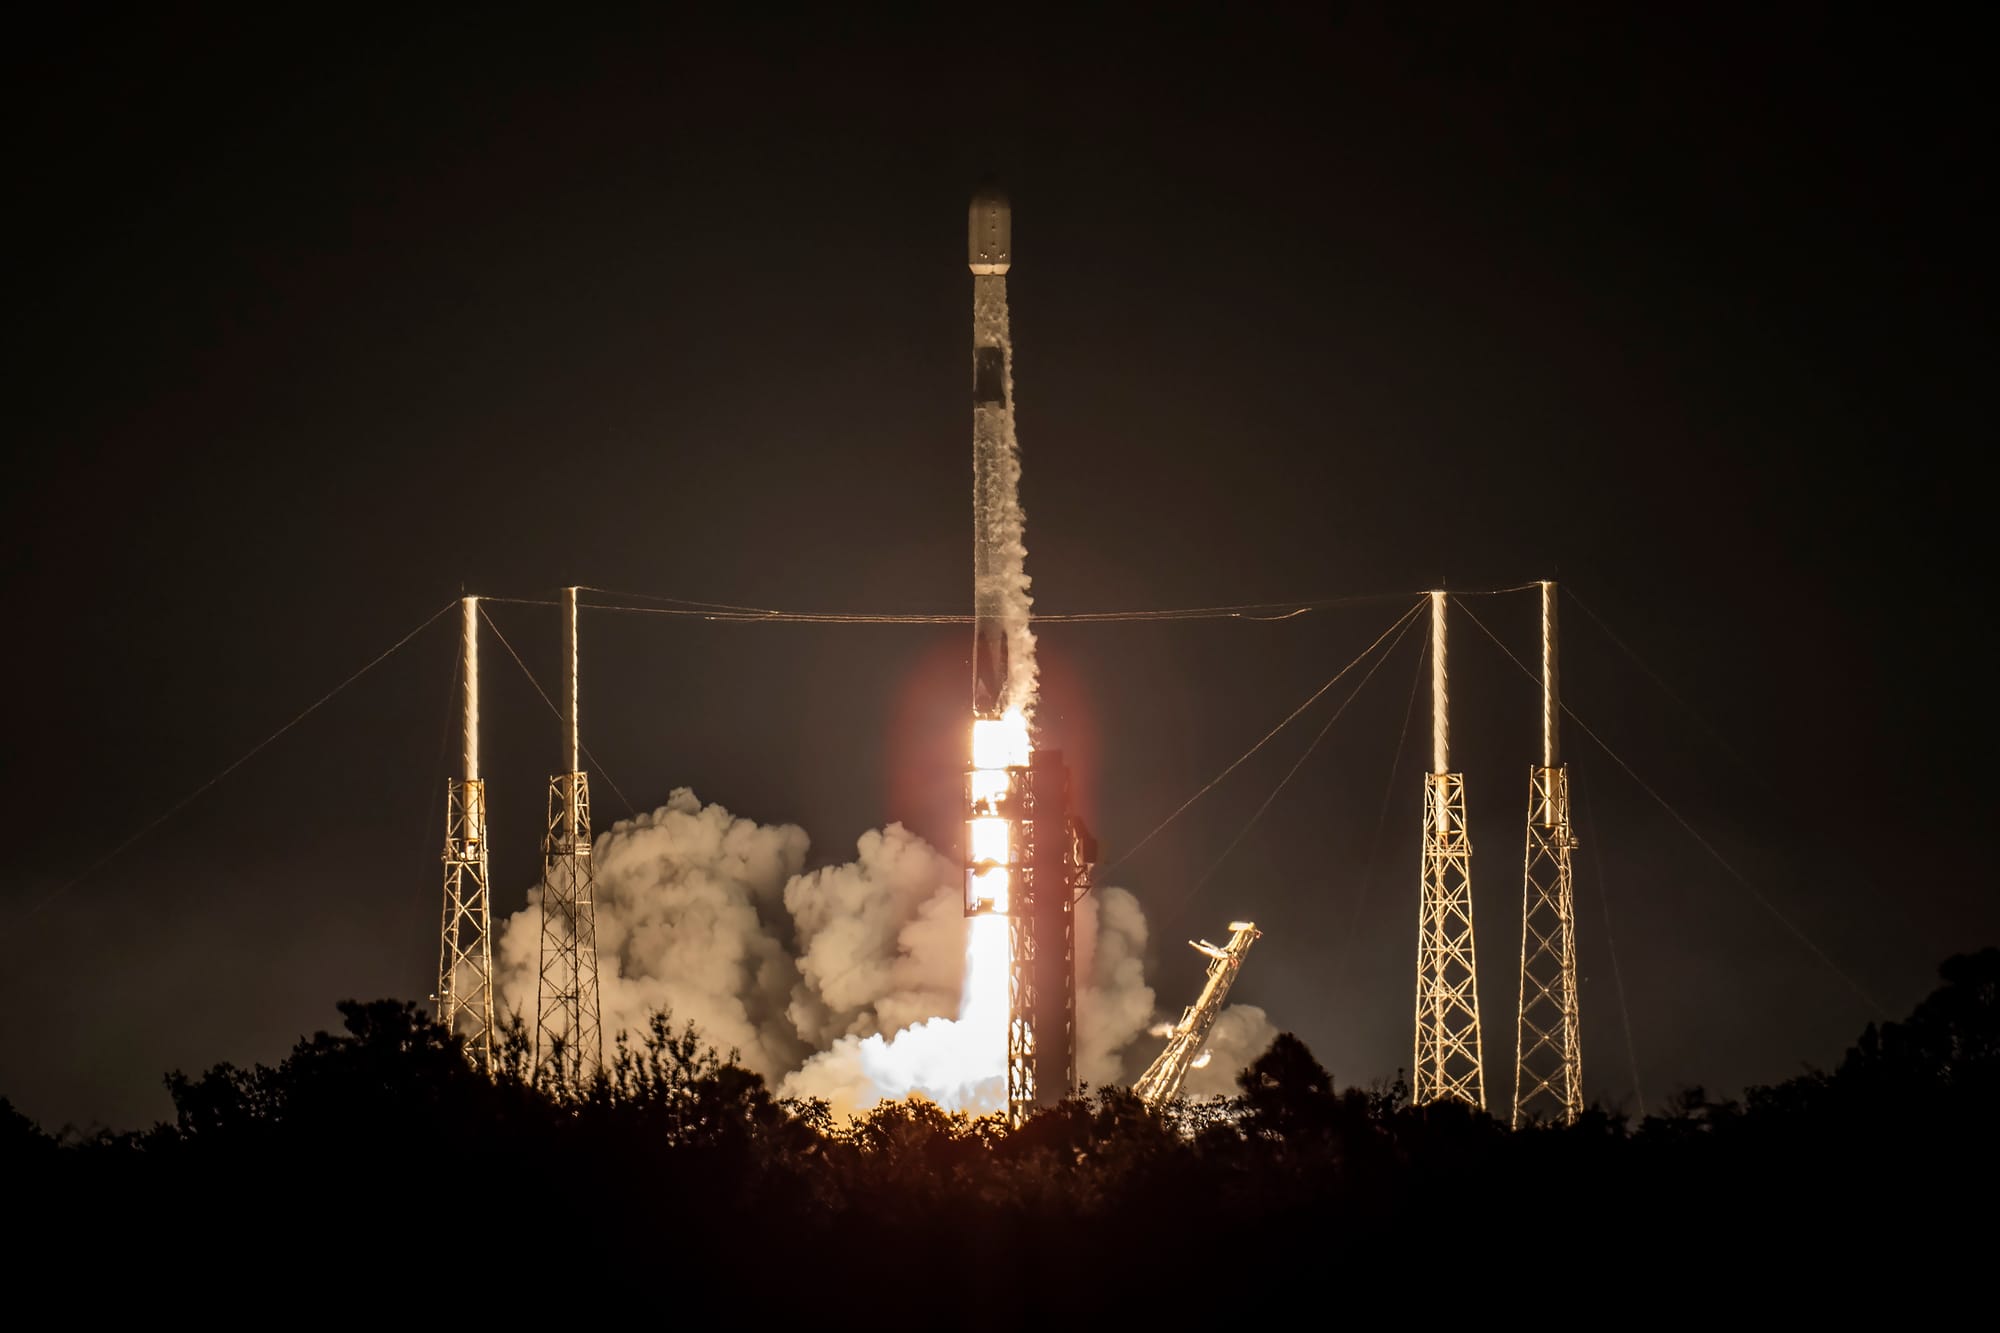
(675, 1154)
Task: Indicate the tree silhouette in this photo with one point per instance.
(383, 1135)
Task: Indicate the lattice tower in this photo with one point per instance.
(1548, 1068)
(1447, 1061)
(465, 947)
(569, 1037)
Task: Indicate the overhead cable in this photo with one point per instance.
(243, 759)
(630, 809)
(1251, 823)
(1756, 893)
(731, 613)
(1266, 739)
(1611, 946)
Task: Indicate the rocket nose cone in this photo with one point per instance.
(989, 232)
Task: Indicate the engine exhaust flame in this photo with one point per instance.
(999, 745)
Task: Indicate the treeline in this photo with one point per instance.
(381, 1145)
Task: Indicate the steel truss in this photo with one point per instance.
(569, 1037)
(1164, 1078)
(1548, 1071)
(1448, 1061)
(1053, 866)
(1021, 995)
(465, 953)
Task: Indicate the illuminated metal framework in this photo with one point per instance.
(1448, 1062)
(465, 948)
(1059, 866)
(1030, 860)
(569, 1037)
(1021, 1047)
(1163, 1078)
(1548, 1070)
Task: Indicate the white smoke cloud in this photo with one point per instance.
(849, 982)
(1113, 1002)
(952, 1059)
(689, 899)
(881, 939)
(958, 1062)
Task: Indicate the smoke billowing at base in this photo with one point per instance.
(848, 982)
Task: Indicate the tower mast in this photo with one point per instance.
(1548, 1068)
(569, 1037)
(465, 947)
(1447, 1062)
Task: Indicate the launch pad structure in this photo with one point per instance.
(1548, 1067)
(465, 948)
(1036, 889)
(1028, 858)
(569, 1033)
(569, 1042)
(1163, 1078)
(1448, 1060)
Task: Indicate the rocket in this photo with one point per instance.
(995, 508)
(989, 254)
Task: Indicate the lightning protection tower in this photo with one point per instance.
(1448, 1061)
(1548, 1070)
(465, 950)
(569, 1040)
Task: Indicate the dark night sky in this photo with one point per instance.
(312, 326)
